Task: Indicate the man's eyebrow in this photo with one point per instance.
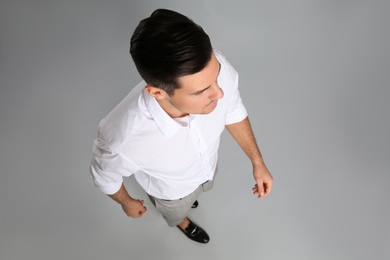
(202, 90)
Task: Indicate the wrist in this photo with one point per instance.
(121, 196)
(258, 164)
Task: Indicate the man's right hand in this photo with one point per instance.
(134, 208)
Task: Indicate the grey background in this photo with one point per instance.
(315, 79)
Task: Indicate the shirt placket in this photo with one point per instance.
(201, 147)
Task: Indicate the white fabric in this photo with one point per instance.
(169, 157)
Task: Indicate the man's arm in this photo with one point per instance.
(132, 207)
(243, 134)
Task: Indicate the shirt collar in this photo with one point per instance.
(167, 125)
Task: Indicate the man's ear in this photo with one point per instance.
(156, 92)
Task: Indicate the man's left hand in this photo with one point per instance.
(264, 181)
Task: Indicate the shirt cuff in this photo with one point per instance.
(110, 188)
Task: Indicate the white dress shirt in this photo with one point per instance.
(169, 157)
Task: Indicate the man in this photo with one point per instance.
(167, 130)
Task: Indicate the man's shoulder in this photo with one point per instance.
(115, 128)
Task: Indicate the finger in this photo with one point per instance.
(268, 187)
(142, 211)
(260, 189)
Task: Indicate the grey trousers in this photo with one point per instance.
(175, 211)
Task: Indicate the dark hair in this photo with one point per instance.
(168, 45)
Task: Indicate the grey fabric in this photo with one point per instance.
(174, 211)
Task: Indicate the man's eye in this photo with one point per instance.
(200, 92)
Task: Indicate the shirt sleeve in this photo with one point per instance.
(108, 168)
(236, 109)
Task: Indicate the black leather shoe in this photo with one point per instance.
(196, 233)
(195, 205)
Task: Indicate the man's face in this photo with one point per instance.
(199, 92)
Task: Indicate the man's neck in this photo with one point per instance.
(170, 109)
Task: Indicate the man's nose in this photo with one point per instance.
(218, 92)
